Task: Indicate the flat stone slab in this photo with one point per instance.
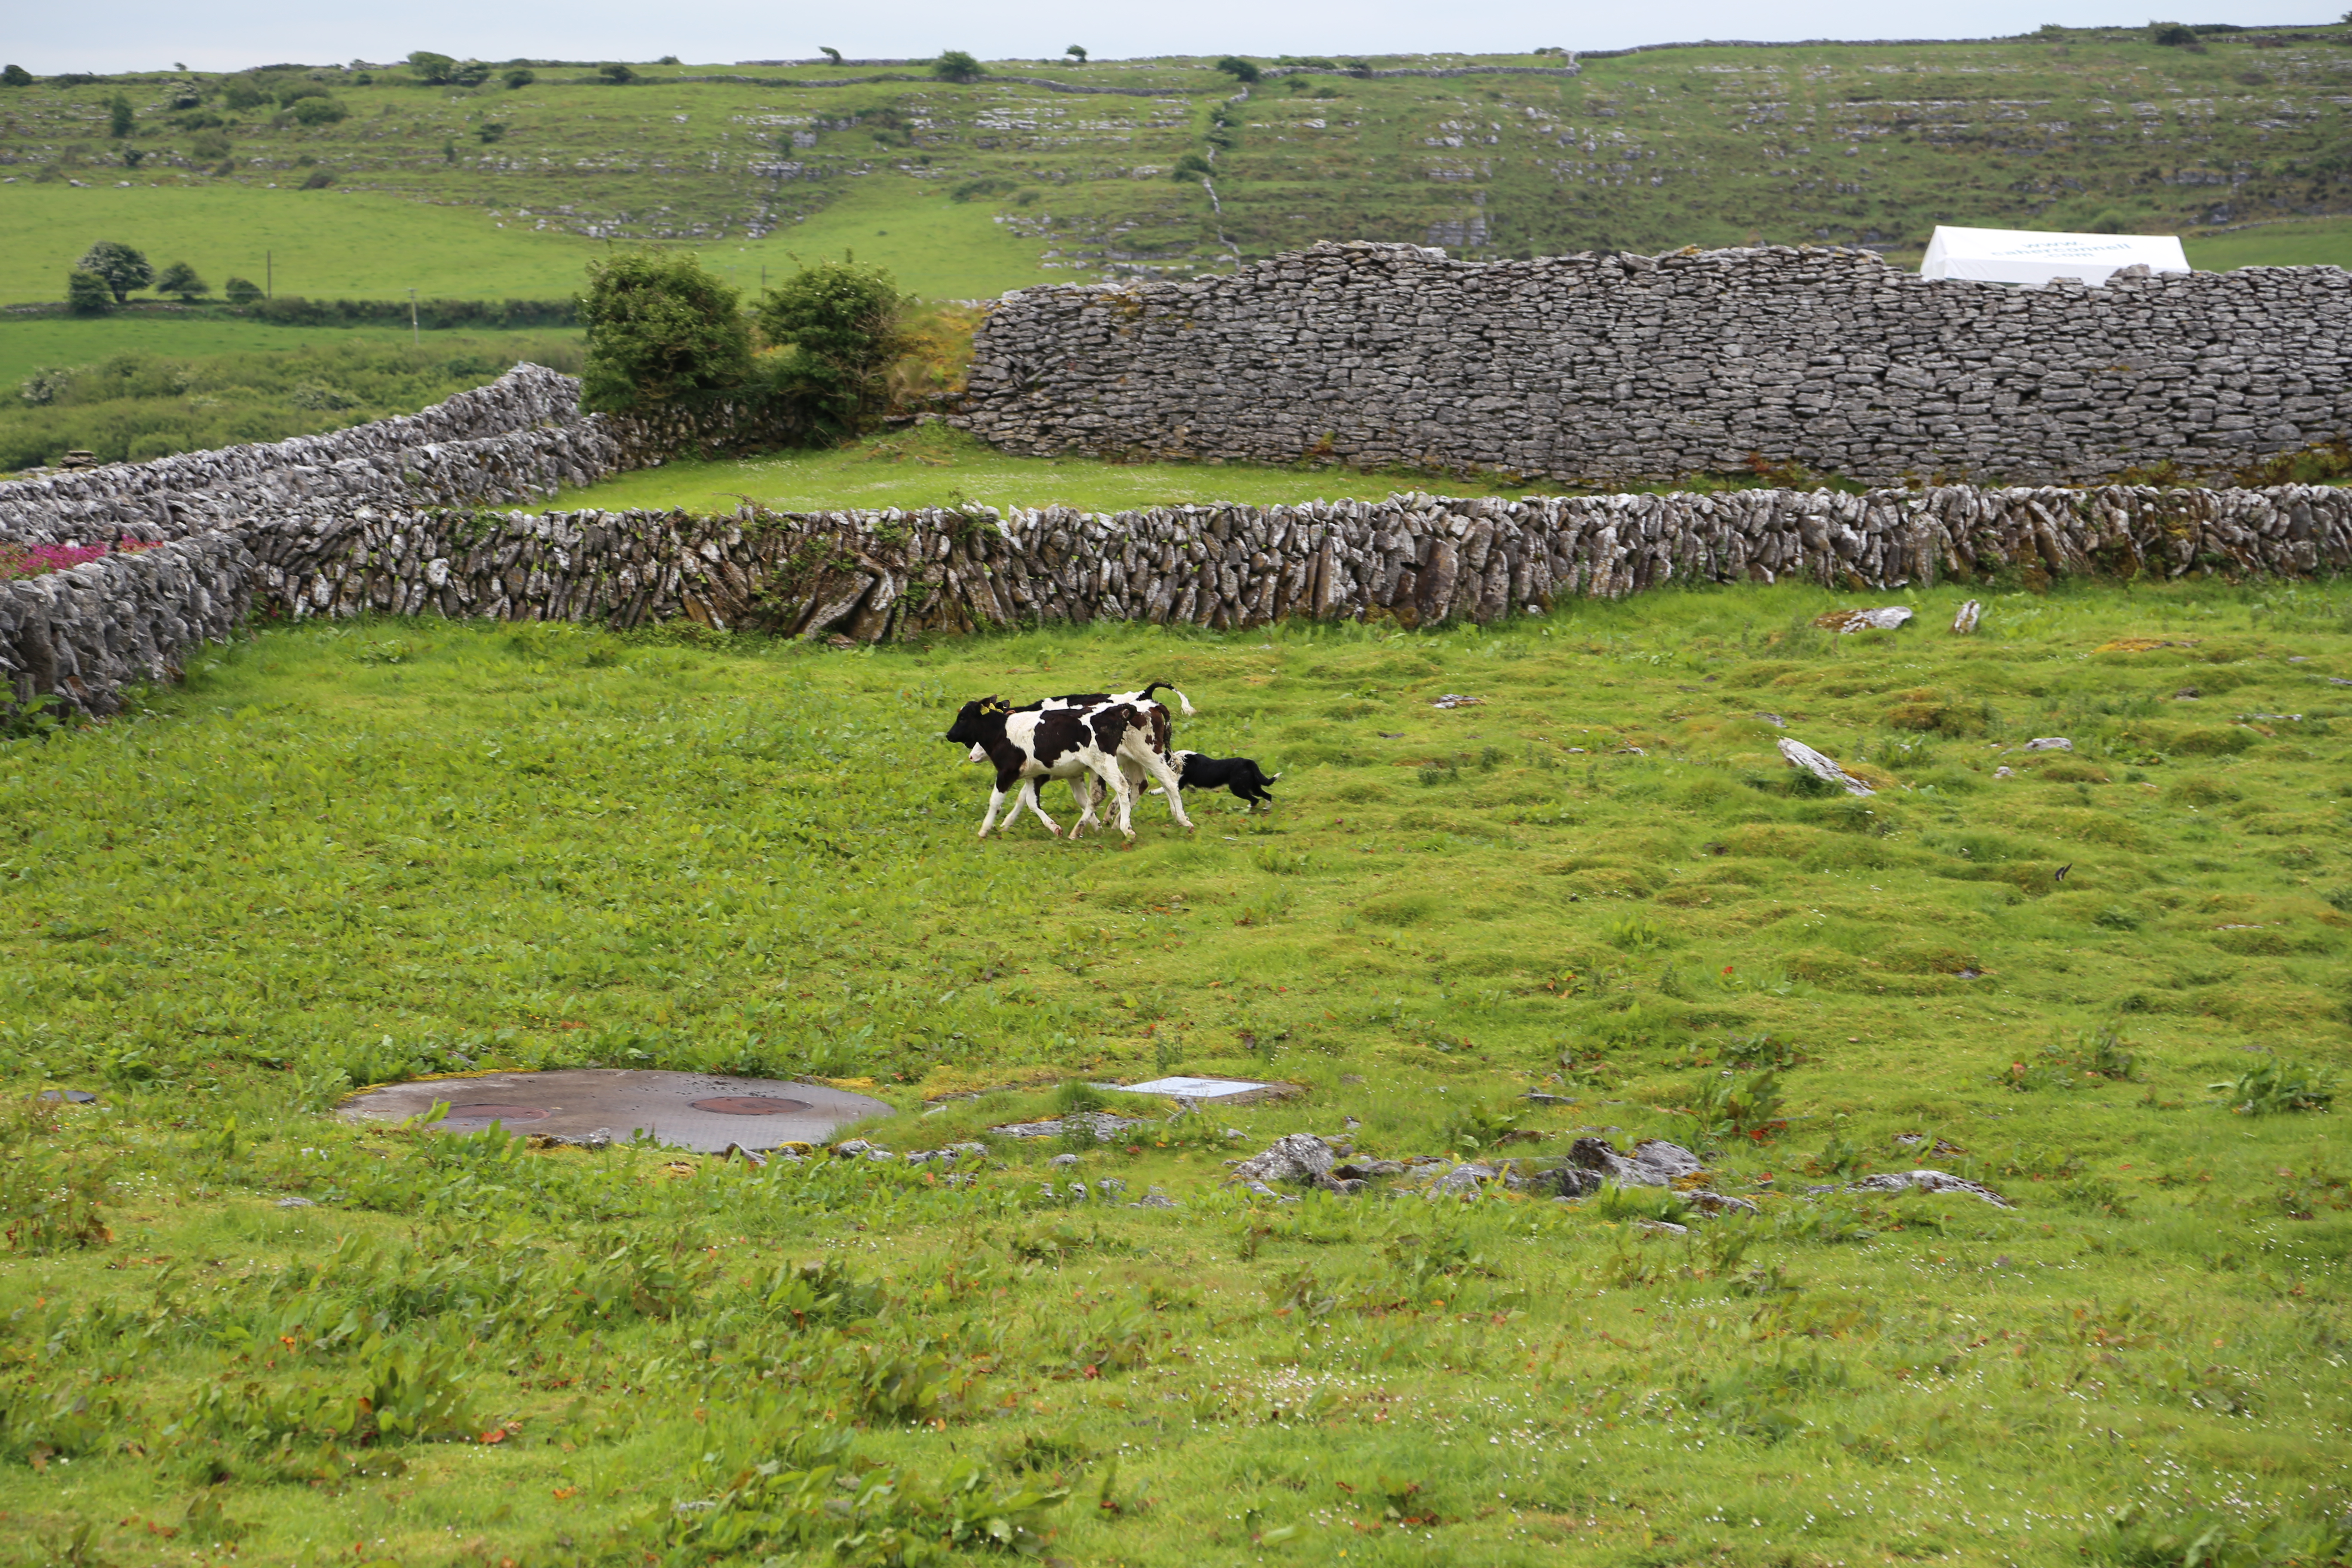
(685, 1110)
(1216, 1091)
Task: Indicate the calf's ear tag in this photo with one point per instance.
(994, 705)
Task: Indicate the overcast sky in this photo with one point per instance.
(143, 35)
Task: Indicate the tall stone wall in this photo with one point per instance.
(1602, 369)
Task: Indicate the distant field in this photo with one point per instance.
(2322, 242)
(1831, 144)
(322, 244)
(27, 345)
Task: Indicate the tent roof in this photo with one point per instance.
(2017, 256)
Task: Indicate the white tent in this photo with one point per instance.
(2014, 256)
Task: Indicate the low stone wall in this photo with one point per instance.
(872, 575)
(82, 634)
(1619, 369)
(341, 525)
(515, 439)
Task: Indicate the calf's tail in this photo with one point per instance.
(1183, 704)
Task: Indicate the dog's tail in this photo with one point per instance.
(1183, 704)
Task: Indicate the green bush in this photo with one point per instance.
(241, 291)
(520, 77)
(432, 69)
(660, 330)
(242, 93)
(87, 293)
(836, 328)
(1239, 69)
(615, 74)
(955, 65)
(15, 76)
(118, 116)
(319, 111)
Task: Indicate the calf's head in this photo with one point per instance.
(978, 722)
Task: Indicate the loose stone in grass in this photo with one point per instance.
(1295, 1157)
(1800, 755)
(1964, 622)
(2050, 744)
(1887, 618)
(1925, 1181)
(1210, 1091)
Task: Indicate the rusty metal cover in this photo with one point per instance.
(686, 1110)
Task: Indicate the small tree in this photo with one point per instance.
(121, 268)
(430, 68)
(242, 93)
(16, 76)
(837, 326)
(660, 329)
(831, 55)
(181, 279)
(615, 74)
(1076, 53)
(241, 291)
(1191, 166)
(87, 293)
(118, 116)
(955, 65)
(2171, 34)
(1239, 69)
(520, 77)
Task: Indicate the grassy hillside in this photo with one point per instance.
(347, 854)
(966, 189)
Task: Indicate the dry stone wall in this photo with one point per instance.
(1629, 368)
(80, 637)
(334, 526)
(876, 575)
(515, 439)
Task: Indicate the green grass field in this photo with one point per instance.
(342, 855)
(325, 245)
(935, 466)
(28, 345)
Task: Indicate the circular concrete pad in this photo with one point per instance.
(685, 1110)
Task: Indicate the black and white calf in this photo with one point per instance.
(1026, 745)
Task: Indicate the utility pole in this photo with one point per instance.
(415, 339)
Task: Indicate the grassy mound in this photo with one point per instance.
(351, 854)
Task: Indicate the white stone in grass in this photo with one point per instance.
(1800, 755)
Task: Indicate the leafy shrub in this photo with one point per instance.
(660, 330)
(955, 65)
(241, 291)
(520, 76)
(1240, 69)
(1723, 1105)
(2274, 1087)
(614, 74)
(318, 180)
(321, 110)
(835, 330)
